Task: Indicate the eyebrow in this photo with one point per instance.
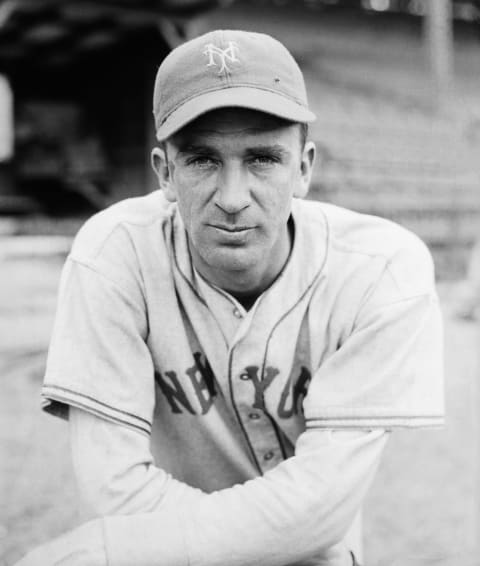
(189, 147)
(273, 149)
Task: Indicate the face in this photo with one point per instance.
(233, 173)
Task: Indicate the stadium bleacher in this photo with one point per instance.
(418, 168)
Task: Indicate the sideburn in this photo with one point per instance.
(170, 164)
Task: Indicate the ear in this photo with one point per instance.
(162, 170)
(306, 169)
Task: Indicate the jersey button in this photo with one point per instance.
(244, 376)
(254, 416)
(268, 455)
(237, 313)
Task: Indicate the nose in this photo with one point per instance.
(232, 192)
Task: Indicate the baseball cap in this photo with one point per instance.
(225, 68)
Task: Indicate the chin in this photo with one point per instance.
(235, 259)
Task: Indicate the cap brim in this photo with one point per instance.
(241, 97)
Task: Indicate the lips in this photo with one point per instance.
(231, 229)
(236, 235)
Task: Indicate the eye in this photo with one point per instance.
(201, 162)
(263, 160)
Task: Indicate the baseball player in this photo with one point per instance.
(231, 357)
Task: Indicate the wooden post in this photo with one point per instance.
(438, 32)
(6, 120)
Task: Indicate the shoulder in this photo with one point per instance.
(118, 224)
(126, 243)
(372, 245)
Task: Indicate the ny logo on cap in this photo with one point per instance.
(223, 55)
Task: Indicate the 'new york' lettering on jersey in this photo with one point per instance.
(203, 381)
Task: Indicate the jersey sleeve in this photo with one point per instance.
(388, 372)
(297, 513)
(98, 358)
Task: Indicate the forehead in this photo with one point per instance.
(237, 123)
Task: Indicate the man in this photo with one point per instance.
(232, 357)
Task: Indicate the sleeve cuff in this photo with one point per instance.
(345, 420)
(56, 399)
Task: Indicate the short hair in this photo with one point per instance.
(303, 134)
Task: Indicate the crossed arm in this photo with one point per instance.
(297, 513)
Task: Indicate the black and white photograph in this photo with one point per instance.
(240, 282)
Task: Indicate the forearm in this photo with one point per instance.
(299, 510)
(115, 471)
(293, 513)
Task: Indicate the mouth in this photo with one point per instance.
(238, 229)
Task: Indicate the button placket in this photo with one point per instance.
(257, 426)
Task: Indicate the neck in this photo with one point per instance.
(247, 300)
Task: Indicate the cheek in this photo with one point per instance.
(192, 206)
(192, 191)
(187, 194)
(280, 192)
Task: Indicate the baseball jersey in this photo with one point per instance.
(348, 336)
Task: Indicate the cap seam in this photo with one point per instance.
(223, 87)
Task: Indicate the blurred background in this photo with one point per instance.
(396, 88)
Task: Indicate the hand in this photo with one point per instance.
(82, 546)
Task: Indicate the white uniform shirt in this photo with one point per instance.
(348, 336)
